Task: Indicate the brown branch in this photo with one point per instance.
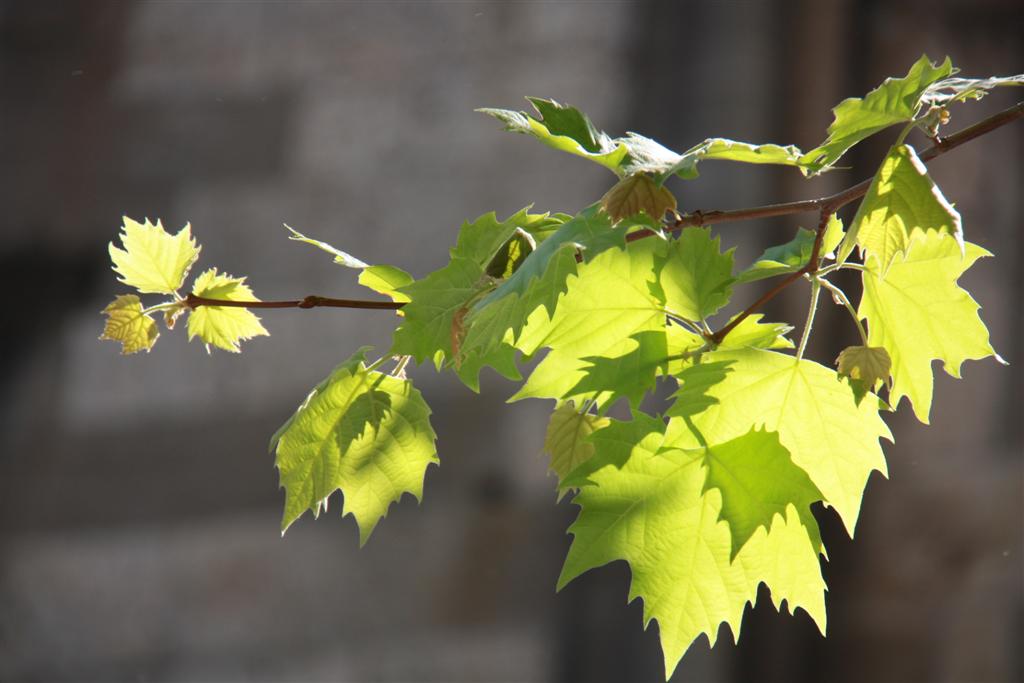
(825, 205)
(193, 301)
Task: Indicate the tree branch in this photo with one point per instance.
(826, 205)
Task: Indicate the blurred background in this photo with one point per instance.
(139, 507)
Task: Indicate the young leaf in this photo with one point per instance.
(695, 276)
(636, 194)
(896, 100)
(340, 257)
(223, 326)
(827, 434)
(359, 431)
(613, 444)
(566, 440)
(153, 261)
(918, 314)
(864, 367)
(126, 323)
(501, 358)
(901, 204)
(655, 513)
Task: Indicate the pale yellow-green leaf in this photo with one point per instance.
(126, 323)
(153, 261)
(223, 326)
(918, 314)
(901, 205)
(827, 434)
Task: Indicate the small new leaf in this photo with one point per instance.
(126, 323)
(864, 367)
(637, 194)
(386, 280)
(223, 326)
(153, 261)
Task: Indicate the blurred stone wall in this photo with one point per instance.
(138, 505)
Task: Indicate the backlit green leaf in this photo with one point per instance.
(655, 513)
(901, 204)
(695, 276)
(826, 433)
(223, 326)
(896, 100)
(434, 303)
(387, 280)
(359, 431)
(153, 261)
(918, 314)
(864, 367)
(790, 257)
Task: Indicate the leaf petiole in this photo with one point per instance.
(839, 296)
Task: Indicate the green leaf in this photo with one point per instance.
(864, 367)
(918, 314)
(566, 440)
(482, 239)
(359, 431)
(756, 334)
(564, 128)
(637, 194)
(695, 276)
(153, 261)
(950, 90)
(758, 480)
(827, 434)
(630, 375)
(340, 257)
(655, 513)
(613, 444)
(568, 129)
(541, 278)
(901, 204)
(730, 150)
(793, 255)
(223, 326)
(435, 301)
(502, 358)
(386, 280)
(126, 323)
(896, 100)
(607, 302)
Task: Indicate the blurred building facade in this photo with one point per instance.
(138, 505)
